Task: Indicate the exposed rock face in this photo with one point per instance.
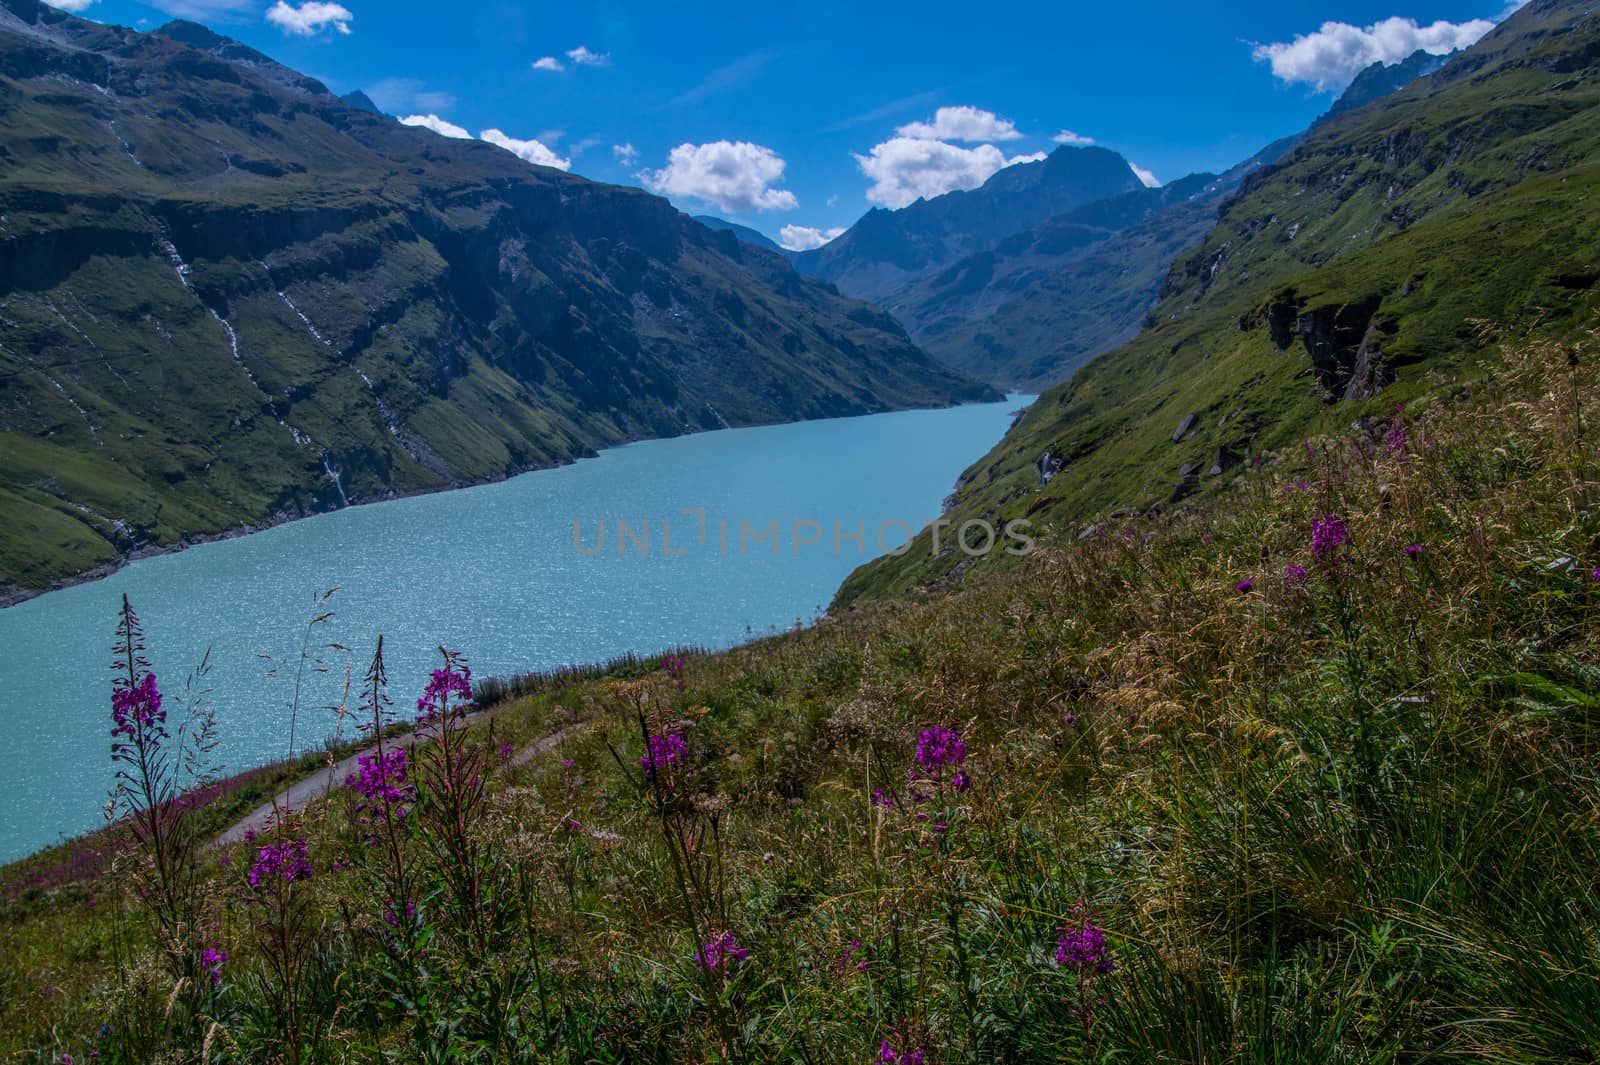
(228, 296)
(1343, 344)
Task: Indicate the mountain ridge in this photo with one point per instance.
(351, 308)
(1354, 274)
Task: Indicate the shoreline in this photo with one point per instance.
(14, 595)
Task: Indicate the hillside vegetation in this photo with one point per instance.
(1346, 278)
(228, 297)
(1308, 777)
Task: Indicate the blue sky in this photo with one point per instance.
(805, 115)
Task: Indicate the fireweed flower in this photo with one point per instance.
(900, 1052)
(212, 959)
(286, 860)
(723, 952)
(1413, 550)
(1328, 534)
(1083, 947)
(939, 746)
(1244, 586)
(383, 783)
(453, 680)
(136, 711)
(1294, 575)
(664, 750)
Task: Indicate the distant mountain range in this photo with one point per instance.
(1047, 264)
(886, 249)
(1375, 263)
(228, 297)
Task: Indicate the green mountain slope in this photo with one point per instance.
(1347, 278)
(228, 297)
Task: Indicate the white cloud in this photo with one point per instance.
(530, 151)
(310, 18)
(585, 58)
(968, 124)
(550, 63)
(1149, 179)
(906, 169)
(732, 176)
(626, 154)
(1077, 140)
(74, 6)
(806, 238)
(438, 125)
(1329, 59)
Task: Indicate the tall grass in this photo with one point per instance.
(1309, 777)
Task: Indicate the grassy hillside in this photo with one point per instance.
(1308, 778)
(1345, 279)
(228, 297)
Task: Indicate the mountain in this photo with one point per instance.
(1381, 79)
(1040, 303)
(228, 298)
(753, 237)
(885, 248)
(361, 102)
(1030, 308)
(1356, 273)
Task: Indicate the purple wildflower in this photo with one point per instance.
(1083, 947)
(454, 680)
(1328, 534)
(939, 746)
(1294, 575)
(212, 959)
(723, 952)
(285, 860)
(506, 750)
(136, 711)
(1396, 443)
(382, 781)
(664, 750)
(892, 1054)
(674, 665)
(1244, 586)
(1413, 550)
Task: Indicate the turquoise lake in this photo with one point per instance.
(493, 571)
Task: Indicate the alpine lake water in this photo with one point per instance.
(511, 574)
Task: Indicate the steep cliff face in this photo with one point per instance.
(228, 297)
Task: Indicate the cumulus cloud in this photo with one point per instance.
(907, 169)
(438, 125)
(1149, 179)
(309, 18)
(968, 124)
(1077, 140)
(626, 154)
(550, 63)
(733, 176)
(582, 57)
(74, 6)
(1329, 59)
(806, 238)
(531, 151)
